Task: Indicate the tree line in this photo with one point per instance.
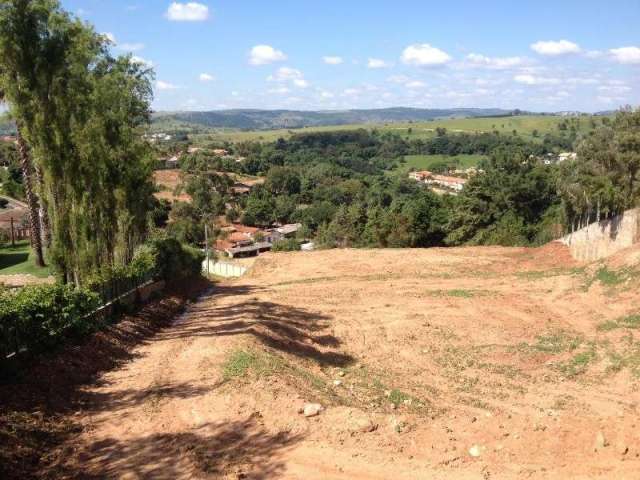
(343, 187)
(79, 113)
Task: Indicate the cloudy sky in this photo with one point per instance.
(538, 55)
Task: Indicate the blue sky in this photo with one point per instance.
(335, 54)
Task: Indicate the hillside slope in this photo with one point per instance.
(250, 119)
(472, 363)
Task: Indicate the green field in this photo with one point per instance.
(426, 162)
(19, 260)
(524, 125)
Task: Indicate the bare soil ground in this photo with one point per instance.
(168, 181)
(470, 363)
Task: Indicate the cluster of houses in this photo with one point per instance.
(446, 182)
(174, 161)
(158, 137)
(239, 240)
(555, 158)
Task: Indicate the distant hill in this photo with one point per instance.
(275, 119)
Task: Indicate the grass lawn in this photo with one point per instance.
(19, 260)
(524, 125)
(426, 162)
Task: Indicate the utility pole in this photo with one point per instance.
(206, 245)
(13, 235)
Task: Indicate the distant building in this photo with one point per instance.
(220, 152)
(172, 162)
(567, 156)
(243, 241)
(429, 178)
(289, 230)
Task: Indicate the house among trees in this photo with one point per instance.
(172, 162)
(240, 240)
(453, 183)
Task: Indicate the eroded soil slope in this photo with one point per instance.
(439, 363)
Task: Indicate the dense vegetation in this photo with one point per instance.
(343, 188)
(78, 112)
(39, 318)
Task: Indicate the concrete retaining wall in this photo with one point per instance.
(224, 269)
(604, 238)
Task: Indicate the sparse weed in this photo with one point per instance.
(579, 363)
(238, 364)
(630, 321)
(557, 342)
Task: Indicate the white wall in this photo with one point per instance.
(604, 238)
(224, 269)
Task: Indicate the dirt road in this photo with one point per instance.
(469, 363)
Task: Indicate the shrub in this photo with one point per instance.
(39, 317)
(175, 261)
(286, 245)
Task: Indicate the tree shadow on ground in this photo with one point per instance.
(285, 328)
(39, 395)
(244, 449)
(10, 259)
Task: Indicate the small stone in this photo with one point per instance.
(393, 406)
(601, 442)
(475, 451)
(387, 393)
(341, 373)
(312, 409)
(337, 383)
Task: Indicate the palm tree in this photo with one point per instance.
(32, 200)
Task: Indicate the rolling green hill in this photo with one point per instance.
(283, 119)
(528, 126)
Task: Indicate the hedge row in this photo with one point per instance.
(38, 318)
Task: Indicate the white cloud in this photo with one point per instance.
(131, 47)
(142, 61)
(594, 54)
(424, 55)
(627, 55)
(205, 77)
(528, 79)
(160, 85)
(582, 81)
(614, 88)
(264, 54)
(415, 84)
(554, 48)
(288, 74)
(398, 79)
(476, 59)
(187, 12)
(377, 63)
(325, 94)
(280, 90)
(332, 60)
(348, 92)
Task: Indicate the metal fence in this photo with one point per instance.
(113, 289)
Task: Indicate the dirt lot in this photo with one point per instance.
(470, 363)
(167, 181)
(440, 363)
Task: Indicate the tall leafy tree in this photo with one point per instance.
(82, 112)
